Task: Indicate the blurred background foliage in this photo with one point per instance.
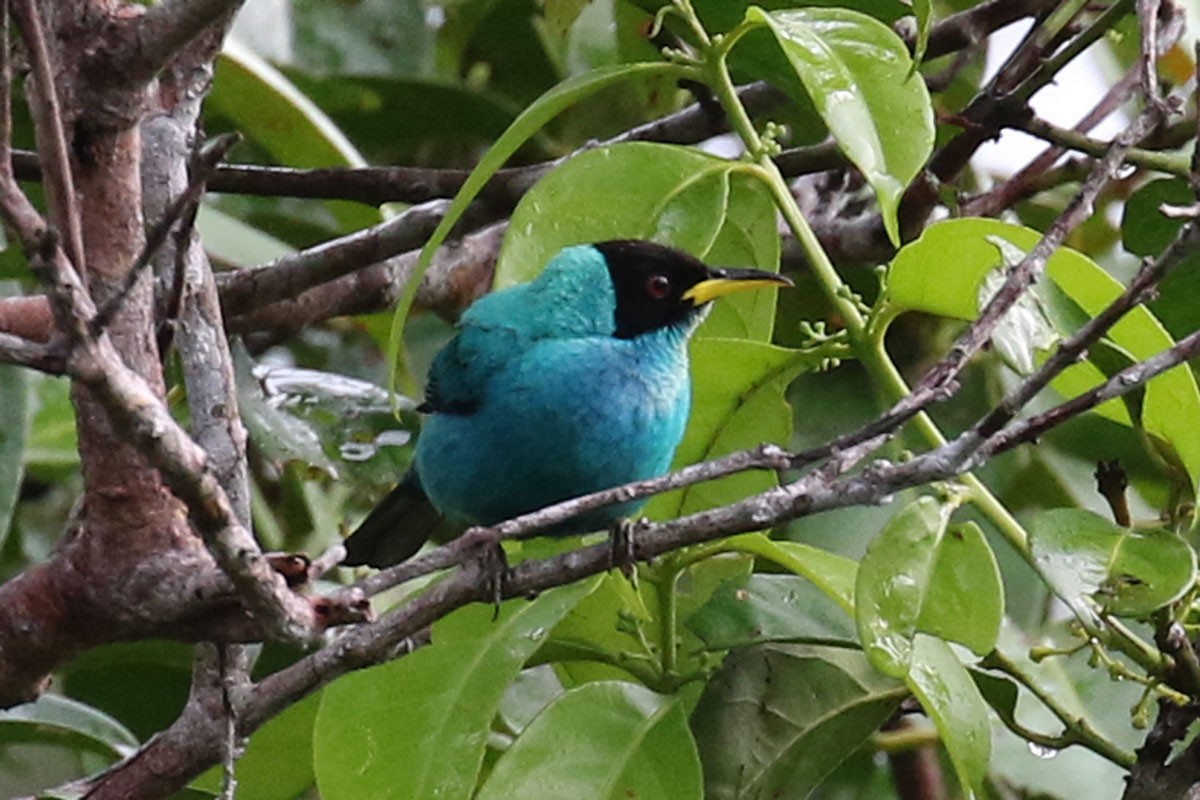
(416, 82)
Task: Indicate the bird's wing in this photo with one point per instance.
(460, 373)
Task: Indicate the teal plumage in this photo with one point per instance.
(572, 383)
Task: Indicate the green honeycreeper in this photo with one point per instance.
(572, 383)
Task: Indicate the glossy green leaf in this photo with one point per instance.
(533, 690)
(262, 104)
(919, 279)
(603, 624)
(608, 740)
(54, 740)
(893, 582)
(965, 600)
(738, 402)
(923, 13)
(833, 574)
(51, 448)
(417, 727)
(954, 703)
(765, 608)
(1027, 328)
(705, 205)
(861, 80)
(777, 719)
(1086, 559)
(16, 415)
(919, 576)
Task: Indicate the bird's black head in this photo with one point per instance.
(658, 286)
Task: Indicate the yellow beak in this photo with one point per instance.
(723, 281)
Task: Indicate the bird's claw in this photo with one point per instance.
(493, 565)
(622, 554)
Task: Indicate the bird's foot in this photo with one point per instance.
(622, 553)
(493, 566)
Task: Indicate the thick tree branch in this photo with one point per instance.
(141, 46)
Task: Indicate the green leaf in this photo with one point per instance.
(765, 608)
(55, 740)
(55, 717)
(326, 420)
(417, 727)
(524, 127)
(777, 719)
(918, 576)
(918, 281)
(371, 37)
(923, 12)
(278, 763)
(697, 202)
(16, 415)
(861, 80)
(1130, 573)
(833, 574)
(600, 626)
(446, 116)
(613, 624)
(894, 580)
(160, 670)
(965, 601)
(608, 740)
(1145, 230)
(738, 402)
(952, 700)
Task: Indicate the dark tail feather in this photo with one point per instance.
(395, 529)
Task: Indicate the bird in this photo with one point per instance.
(572, 383)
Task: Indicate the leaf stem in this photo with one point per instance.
(668, 611)
(1076, 728)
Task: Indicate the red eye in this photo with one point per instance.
(658, 286)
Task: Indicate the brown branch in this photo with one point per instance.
(461, 272)
(968, 28)
(47, 116)
(48, 358)
(158, 234)
(291, 275)
(1027, 181)
(138, 48)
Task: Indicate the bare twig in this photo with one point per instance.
(1128, 379)
(52, 140)
(293, 274)
(157, 236)
(1075, 346)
